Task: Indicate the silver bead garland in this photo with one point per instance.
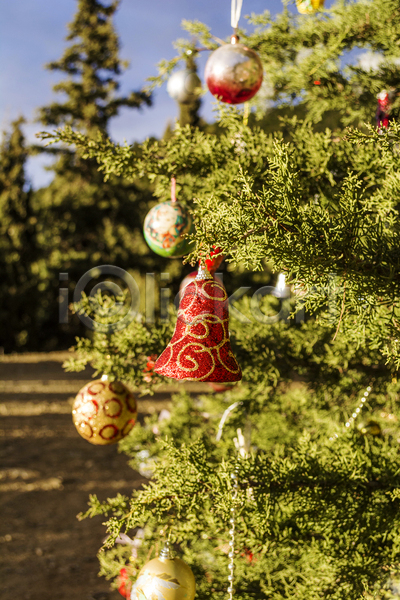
(355, 413)
(231, 554)
(235, 487)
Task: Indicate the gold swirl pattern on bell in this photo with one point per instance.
(206, 321)
(189, 358)
(195, 295)
(231, 355)
(213, 284)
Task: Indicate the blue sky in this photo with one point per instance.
(32, 33)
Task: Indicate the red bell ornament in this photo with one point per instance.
(187, 279)
(191, 277)
(234, 73)
(200, 349)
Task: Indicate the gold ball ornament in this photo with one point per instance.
(308, 7)
(165, 578)
(104, 411)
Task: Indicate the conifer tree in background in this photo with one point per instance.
(84, 222)
(316, 415)
(91, 64)
(19, 267)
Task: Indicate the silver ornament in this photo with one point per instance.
(184, 86)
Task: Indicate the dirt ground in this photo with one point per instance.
(47, 472)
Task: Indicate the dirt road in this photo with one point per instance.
(46, 474)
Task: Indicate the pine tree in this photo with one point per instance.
(317, 514)
(91, 64)
(85, 222)
(20, 274)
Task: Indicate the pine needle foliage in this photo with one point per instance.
(320, 207)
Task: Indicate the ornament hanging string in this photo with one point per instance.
(348, 423)
(236, 9)
(173, 189)
(224, 417)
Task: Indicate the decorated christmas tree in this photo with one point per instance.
(286, 484)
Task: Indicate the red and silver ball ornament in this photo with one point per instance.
(234, 73)
(104, 411)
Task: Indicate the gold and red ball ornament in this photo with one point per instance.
(104, 411)
(165, 578)
(200, 349)
(166, 226)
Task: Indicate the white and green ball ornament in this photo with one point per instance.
(165, 228)
(184, 86)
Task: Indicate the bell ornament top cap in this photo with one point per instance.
(203, 273)
(166, 552)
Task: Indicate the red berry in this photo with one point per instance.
(124, 584)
